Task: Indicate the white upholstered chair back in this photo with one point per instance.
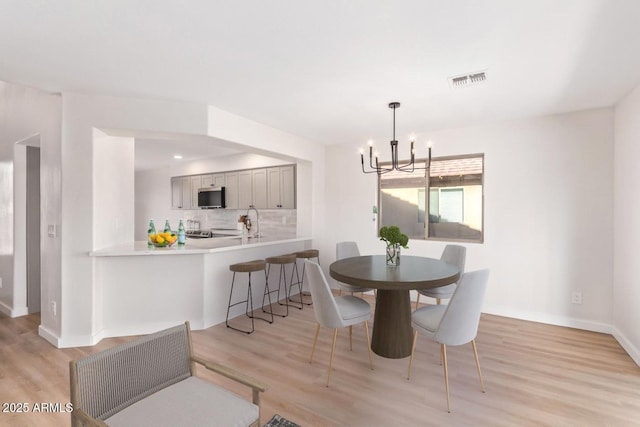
(346, 250)
(459, 324)
(325, 307)
(456, 255)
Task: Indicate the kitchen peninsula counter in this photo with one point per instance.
(195, 246)
(138, 290)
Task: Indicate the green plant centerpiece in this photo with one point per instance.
(395, 239)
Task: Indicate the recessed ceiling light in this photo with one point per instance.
(177, 156)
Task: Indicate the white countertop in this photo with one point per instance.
(193, 246)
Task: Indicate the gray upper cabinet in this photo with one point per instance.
(263, 188)
(213, 180)
(281, 192)
(181, 192)
(176, 192)
(252, 189)
(196, 184)
(245, 196)
(259, 188)
(231, 189)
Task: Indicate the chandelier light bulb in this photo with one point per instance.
(370, 142)
(429, 144)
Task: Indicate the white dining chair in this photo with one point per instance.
(335, 312)
(453, 254)
(455, 323)
(348, 250)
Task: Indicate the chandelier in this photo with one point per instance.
(395, 164)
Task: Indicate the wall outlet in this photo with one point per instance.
(54, 308)
(576, 297)
(51, 230)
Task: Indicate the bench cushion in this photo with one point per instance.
(190, 402)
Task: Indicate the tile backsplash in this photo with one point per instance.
(273, 222)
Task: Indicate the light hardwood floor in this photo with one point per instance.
(534, 374)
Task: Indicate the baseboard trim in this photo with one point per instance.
(626, 344)
(551, 319)
(52, 338)
(13, 312)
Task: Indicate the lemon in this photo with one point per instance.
(159, 239)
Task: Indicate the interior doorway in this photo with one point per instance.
(26, 291)
(33, 229)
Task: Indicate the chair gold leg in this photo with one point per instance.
(315, 341)
(340, 292)
(446, 374)
(413, 349)
(438, 301)
(366, 330)
(417, 300)
(333, 347)
(350, 337)
(475, 353)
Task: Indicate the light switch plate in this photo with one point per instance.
(51, 230)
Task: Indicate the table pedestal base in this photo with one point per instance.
(392, 332)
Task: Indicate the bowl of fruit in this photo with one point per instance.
(164, 239)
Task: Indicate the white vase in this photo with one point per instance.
(393, 255)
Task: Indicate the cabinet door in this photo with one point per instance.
(207, 180)
(259, 180)
(288, 187)
(176, 193)
(186, 192)
(196, 184)
(218, 180)
(245, 198)
(273, 188)
(231, 189)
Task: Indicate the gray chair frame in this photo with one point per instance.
(107, 382)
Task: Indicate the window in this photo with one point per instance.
(455, 202)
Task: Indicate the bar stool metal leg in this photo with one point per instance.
(248, 267)
(268, 292)
(291, 283)
(248, 301)
(307, 254)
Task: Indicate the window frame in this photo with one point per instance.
(427, 201)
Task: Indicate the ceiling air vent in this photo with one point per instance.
(467, 79)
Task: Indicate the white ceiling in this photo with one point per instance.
(326, 70)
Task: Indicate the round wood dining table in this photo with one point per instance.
(392, 332)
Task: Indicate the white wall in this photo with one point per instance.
(113, 195)
(25, 113)
(626, 291)
(548, 213)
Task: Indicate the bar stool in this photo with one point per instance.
(248, 267)
(282, 261)
(306, 254)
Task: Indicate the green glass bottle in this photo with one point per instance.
(182, 236)
(167, 227)
(152, 230)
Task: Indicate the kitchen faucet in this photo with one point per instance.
(257, 233)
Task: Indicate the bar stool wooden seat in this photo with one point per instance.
(282, 261)
(248, 267)
(307, 254)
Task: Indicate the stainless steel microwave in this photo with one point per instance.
(211, 198)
